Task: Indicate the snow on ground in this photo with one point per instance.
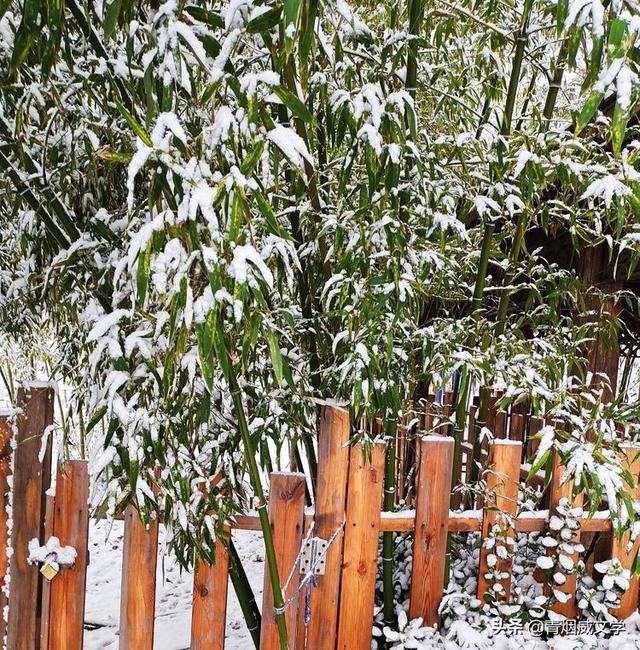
(173, 594)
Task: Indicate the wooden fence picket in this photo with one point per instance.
(46, 586)
(431, 528)
(31, 480)
(71, 527)
(359, 566)
(620, 547)
(138, 597)
(209, 605)
(560, 489)
(286, 514)
(330, 505)
(6, 435)
(503, 480)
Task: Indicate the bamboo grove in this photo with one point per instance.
(225, 213)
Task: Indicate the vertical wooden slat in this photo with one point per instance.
(71, 527)
(431, 528)
(362, 528)
(619, 547)
(535, 425)
(517, 427)
(331, 494)
(209, 606)
(138, 597)
(286, 514)
(6, 435)
(559, 490)
(46, 586)
(500, 425)
(502, 491)
(31, 479)
(401, 446)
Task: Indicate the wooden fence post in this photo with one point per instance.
(6, 435)
(286, 514)
(71, 527)
(138, 595)
(628, 600)
(503, 480)
(331, 494)
(431, 528)
(559, 490)
(209, 606)
(31, 480)
(362, 530)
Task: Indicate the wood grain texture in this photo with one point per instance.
(209, 606)
(138, 595)
(558, 490)
(71, 527)
(362, 529)
(286, 515)
(431, 529)
(46, 586)
(5, 470)
(330, 506)
(31, 479)
(502, 494)
(621, 548)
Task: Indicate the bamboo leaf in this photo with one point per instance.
(293, 103)
(270, 218)
(112, 12)
(276, 355)
(133, 123)
(265, 21)
(588, 110)
(618, 128)
(142, 274)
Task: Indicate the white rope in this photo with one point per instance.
(311, 571)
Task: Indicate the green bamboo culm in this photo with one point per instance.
(416, 13)
(221, 348)
(487, 242)
(387, 538)
(270, 552)
(244, 593)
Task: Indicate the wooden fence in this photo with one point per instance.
(347, 512)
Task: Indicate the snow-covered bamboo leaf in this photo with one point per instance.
(295, 105)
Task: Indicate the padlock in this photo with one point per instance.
(50, 569)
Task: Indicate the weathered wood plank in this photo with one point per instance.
(362, 528)
(431, 528)
(330, 506)
(31, 480)
(559, 490)
(622, 548)
(286, 515)
(502, 494)
(138, 595)
(71, 527)
(209, 606)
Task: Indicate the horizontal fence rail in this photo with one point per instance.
(347, 517)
